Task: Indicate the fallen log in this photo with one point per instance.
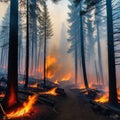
(41, 99)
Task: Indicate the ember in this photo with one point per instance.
(2, 95)
(56, 82)
(23, 110)
(103, 99)
(35, 85)
(67, 77)
(50, 92)
(22, 82)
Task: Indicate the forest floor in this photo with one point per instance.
(66, 108)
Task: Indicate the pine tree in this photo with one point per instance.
(46, 28)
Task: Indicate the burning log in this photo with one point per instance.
(41, 98)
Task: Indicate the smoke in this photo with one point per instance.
(63, 64)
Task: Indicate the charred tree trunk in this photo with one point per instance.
(27, 47)
(111, 56)
(11, 97)
(83, 53)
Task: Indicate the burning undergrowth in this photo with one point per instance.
(27, 106)
(59, 67)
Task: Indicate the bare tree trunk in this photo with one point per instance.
(111, 56)
(99, 56)
(83, 54)
(27, 47)
(11, 97)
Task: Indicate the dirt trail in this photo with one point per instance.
(73, 109)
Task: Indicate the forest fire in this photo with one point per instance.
(26, 107)
(66, 77)
(35, 85)
(50, 92)
(50, 66)
(103, 99)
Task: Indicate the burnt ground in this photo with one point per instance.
(76, 108)
(66, 108)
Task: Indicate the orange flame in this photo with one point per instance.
(22, 82)
(50, 66)
(56, 82)
(50, 92)
(103, 99)
(67, 77)
(2, 95)
(50, 60)
(25, 109)
(35, 85)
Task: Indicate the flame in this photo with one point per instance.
(22, 82)
(35, 85)
(103, 99)
(23, 110)
(2, 95)
(56, 82)
(12, 98)
(50, 66)
(50, 61)
(50, 92)
(67, 77)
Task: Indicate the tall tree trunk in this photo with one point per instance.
(111, 56)
(27, 47)
(83, 53)
(76, 63)
(45, 41)
(99, 56)
(11, 97)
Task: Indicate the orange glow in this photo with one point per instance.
(50, 60)
(50, 66)
(22, 82)
(56, 82)
(103, 99)
(50, 92)
(35, 85)
(82, 86)
(2, 95)
(12, 98)
(67, 77)
(118, 92)
(27, 106)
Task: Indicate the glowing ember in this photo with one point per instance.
(118, 92)
(22, 82)
(50, 92)
(103, 99)
(2, 95)
(35, 85)
(23, 110)
(56, 82)
(67, 77)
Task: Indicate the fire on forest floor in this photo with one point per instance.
(27, 106)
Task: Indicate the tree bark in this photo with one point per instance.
(111, 56)
(27, 47)
(11, 97)
(83, 53)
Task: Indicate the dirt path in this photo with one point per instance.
(73, 109)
